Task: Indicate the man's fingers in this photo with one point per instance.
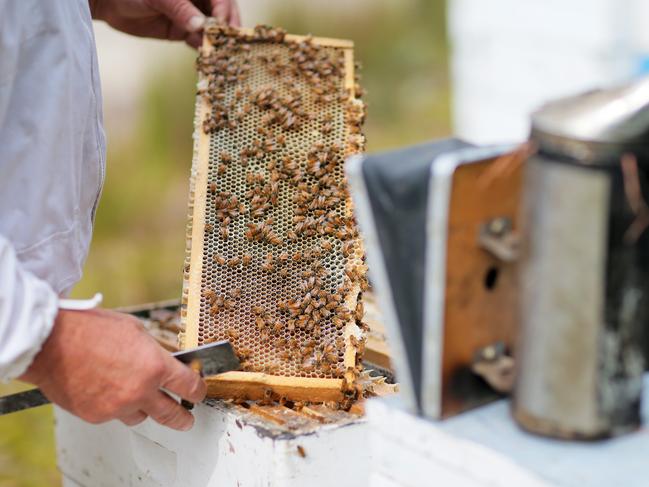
(235, 17)
(194, 39)
(182, 13)
(221, 10)
(183, 381)
(166, 411)
(133, 418)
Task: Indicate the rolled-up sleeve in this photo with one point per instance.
(28, 308)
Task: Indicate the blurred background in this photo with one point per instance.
(431, 68)
(149, 89)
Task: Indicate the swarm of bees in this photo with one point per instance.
(283, 267)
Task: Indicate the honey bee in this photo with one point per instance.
(219, 259)
(222, 169)
(268, 393)
(232, 334)
(347, 248)
(234, 262)
(283, 272)
(360, 311)
(224, 233)
(273, 239)
(209, 228)
(210, 295)
(334, 299)
(212, 188)
(298, 405)
(235, 293)
(246, 259)
(244, 353)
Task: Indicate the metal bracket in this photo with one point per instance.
(495, 366)
(499, 239)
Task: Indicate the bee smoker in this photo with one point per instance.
(584, 266)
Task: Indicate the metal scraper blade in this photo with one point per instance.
(216, 357)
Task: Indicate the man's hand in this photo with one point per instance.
(101, 365)
(164, 19)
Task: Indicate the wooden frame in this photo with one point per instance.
(253, 385)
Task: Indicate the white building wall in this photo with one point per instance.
(509, 56)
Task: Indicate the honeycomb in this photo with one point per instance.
(281, 263)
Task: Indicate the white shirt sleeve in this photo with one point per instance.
(51, 166)
(28, 308)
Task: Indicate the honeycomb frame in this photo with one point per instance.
(261, 384)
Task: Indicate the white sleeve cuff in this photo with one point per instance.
(28, 309)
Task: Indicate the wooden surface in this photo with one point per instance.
(199, 199)
(475, 315)
(322, 41)
(253, 385)
(376, 349)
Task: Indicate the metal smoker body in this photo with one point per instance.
(584, 266)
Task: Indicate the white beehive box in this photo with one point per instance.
(228, 447)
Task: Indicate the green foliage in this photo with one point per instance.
(403, 51)
(138, 246)
(27, 457)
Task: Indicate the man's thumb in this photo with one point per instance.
(182, 13)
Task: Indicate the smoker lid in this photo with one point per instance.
(612, 116)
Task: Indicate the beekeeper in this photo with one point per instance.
(97, 364)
